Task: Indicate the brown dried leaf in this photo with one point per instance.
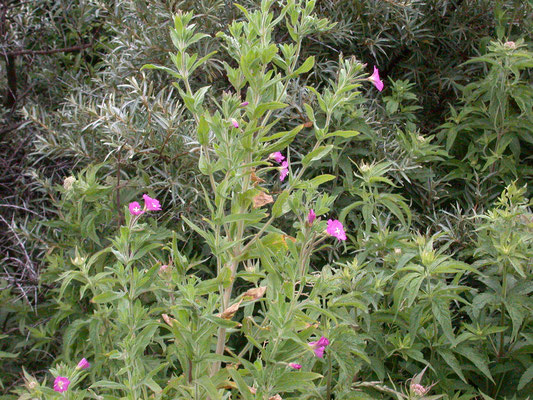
(229, 312)
(168, 320)
(261, 199)
(255, 293)
(255, 179)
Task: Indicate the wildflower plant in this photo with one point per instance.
(242, 140)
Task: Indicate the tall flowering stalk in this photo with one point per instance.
(243, 143)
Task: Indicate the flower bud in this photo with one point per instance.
(165, 271)
(418, 389)
(510, 45)
(68, 182)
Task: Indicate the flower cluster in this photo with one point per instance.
(61, 383)
(150, 204)
(284, 169)
(418, 389)
(318, 347)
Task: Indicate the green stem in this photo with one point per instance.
(502, 309)
(330, 375)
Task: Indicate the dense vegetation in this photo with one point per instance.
(215, 200)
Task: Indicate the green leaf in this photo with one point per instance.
(203, 131)
(316, 154)
(109, 385)
(305, 67)
(525, 378)
(316, 181)
(271, 105)
(241, 384)
(516, 312)
(344, 134)
(107, 297)
(309, 111)
(478, 358)
(319, 180)
(292, 380)
(441, 311)
(206, 235)
(206, 382)
(4, 354)
(277, 208)
(166, 69)
(452, 362)
(249, 217)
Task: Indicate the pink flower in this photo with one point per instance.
(510, 45)
(61, 384)
(83, 364)
(165, 271)
(151, 204)
(234, 123)
(319, 346)
(244, 104)
(295, 366)
(418, 389)
(284, 171)
(374, 78)
(336, 229)
(135, 208)
(311, 217)
(277, 156)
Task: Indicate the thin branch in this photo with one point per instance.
(11, 128)
(51, 51)
(20, 208)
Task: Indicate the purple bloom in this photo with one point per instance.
(319, 346)
(135, 208)
(151, 204)
(374, 78)
(284, 171)
(234, 123)
(61, 384)
(244, 104)
(277, 156)
(336, 229)
(295, 366)
(311, 217)
(83, 364)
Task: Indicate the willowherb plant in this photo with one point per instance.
(240, 154)
(262, 313)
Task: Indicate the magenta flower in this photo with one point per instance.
(244, 104)
(135, 208)
(374, 78)
(83, 364)
(234, 123)
(61, 384)
(295, 366)
(284, 171)
(151, 204)
(311, 217)
(336, 229)
(277, 156)
(319, 346)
